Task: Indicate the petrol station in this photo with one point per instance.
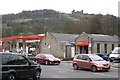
(21, 44)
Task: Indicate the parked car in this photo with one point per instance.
(103, 55)
(46, 59)
(90, 61)
(16, 66)
(115, 55)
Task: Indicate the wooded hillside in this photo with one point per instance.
(40, 21)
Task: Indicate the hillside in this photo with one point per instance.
(40, 21)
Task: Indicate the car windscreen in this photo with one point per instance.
(96, 58)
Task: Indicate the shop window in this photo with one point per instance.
(112, 46)
(118, 45)
(105, 48)
(98, 48)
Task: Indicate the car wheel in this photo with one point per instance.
(46, 62)
(94, 68)
(37, 75)
(75, 67)
(11, 77)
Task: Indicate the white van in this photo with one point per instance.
(115, 55)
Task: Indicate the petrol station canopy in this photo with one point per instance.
(39, 36)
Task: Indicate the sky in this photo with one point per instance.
(66, 6)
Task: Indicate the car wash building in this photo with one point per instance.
(59, 44)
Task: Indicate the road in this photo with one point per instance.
(65, 70)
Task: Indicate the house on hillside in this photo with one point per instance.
(95, 43)
(59, 44)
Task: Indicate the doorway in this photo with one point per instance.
(83, 49)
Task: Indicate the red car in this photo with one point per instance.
(90, 61)
(46, 59)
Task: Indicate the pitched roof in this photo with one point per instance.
(96, 37)
(101, 37)
(65, 37)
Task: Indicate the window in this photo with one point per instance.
(23, 60)
(112, 46)
(98, 48)
(5, 59)
(96, 58)
(79, 57)
(118, 45)
(43, 56)
(85, 57)
(105, 48)
(39, 56)
(8, 59)
(13, 60)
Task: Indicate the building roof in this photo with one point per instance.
(70, 38)
(65, 37)
(101, 37)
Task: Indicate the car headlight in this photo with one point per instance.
(51, 59)
(97, 64)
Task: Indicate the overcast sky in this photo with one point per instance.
(66, 6)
